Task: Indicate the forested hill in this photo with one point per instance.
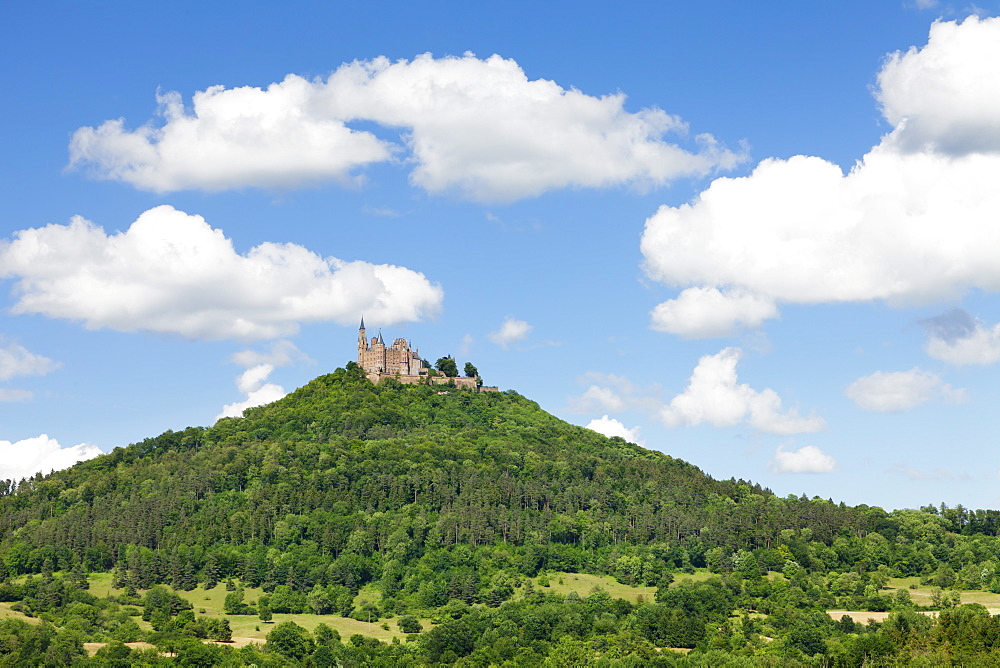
(403, 502)
(390, 471)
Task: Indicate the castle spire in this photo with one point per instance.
(362, 340)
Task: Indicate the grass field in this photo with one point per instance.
(583, 584)
(5, 612)
(920, 595)
(249, 628)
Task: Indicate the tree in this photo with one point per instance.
(289, 639)
(319, 600)
(409, 624)
(198, 654)
(223, 631)
(285, 599)
(78, 577)
(233, 604)
(472, 372)
(324, 635)
(448, 366)
(64, 650)
(211, 571)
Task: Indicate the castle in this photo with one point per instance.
(399, 358)
(402, 362)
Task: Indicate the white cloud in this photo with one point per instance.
(610, 393)
(709, 312)
(171, 272)
(477, 127)
(914, 220)
(945, 96)
(259, 396)
(597, 398)
(807, 459)
(958, 338)
(252, 382)
(233, 138)
(251, 379)
(282, 353)
(16, 360)
(898, 391)
(24, 458)
(612, 427)
(713, 396)
(510, 332)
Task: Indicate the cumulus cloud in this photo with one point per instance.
(945, 96)
(27, 457)
(959, 338)
(232, 138)
(259, 393)
(511, 331)
(253, 381)
(171, 272)
(612, 427)
(597, 397)
(281, 353)
(611, 393)
(710, 312)
(16, 360)
(715, 397)
(478, 127)
(913, 220)
(807, 459)
(898, 391)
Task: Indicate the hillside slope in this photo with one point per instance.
(343, 465)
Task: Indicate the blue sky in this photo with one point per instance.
(760, 238)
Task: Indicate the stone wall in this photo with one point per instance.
(463, 382)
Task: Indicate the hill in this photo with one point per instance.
(343, 465)
(450, 505)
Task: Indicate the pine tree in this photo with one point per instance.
(78, 577)
(212, 571)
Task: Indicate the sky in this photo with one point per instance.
(759, 237)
